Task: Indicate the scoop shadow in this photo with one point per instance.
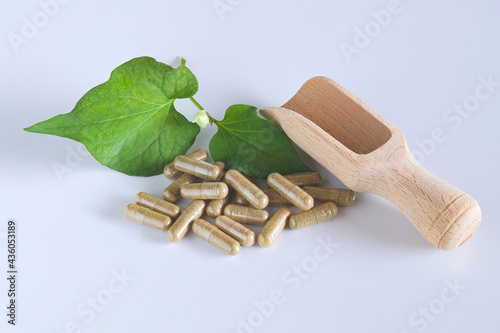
(375, 220)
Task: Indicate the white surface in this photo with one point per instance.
(73, 237)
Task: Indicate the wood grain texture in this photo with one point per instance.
(369, 154)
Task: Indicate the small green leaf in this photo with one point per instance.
(253, 145)
(129, 123)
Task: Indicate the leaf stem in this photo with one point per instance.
(195, 102)
(198, 105)
(212, 119)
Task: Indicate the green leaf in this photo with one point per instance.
(129, 123)
(254, 145)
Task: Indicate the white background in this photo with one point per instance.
(73, 238)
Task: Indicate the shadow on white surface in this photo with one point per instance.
(377, 223)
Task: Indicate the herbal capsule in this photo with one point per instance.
(216, 237)
(290, 191)
(273, 227)
(147, 217)
(216, 207)
(173, 192)
(236, 230)
(339, 196)
(222, 167)
(316, 215)
(305, 178)
(275, 199)
(171, 172)
(157, 204)
(247, 215)
(181, 226)
(239, 200)
(207, 190)
(197, 168)
(247, 189)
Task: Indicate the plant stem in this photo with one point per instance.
(195, 102)
(198, 105)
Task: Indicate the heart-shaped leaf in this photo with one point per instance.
(129, 123)
(254, 145)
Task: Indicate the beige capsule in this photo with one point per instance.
(247, 189)
(157, 204)
(246, 215)
(239, 200)
(305, 178)
(222, 167)
(173, 192)
(197, 168)
(236, 230)
(216, 237)
(316, 215)
(339, 196)
(216, 207)
(275, 199)
(171, 172)
(181, 226)
(207, 190)
(273, 227)
(148, 217)
(290, 191)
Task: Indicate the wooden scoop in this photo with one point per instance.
(369, 154)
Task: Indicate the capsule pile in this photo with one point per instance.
(211, 188)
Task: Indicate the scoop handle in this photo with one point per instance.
(444, 215)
